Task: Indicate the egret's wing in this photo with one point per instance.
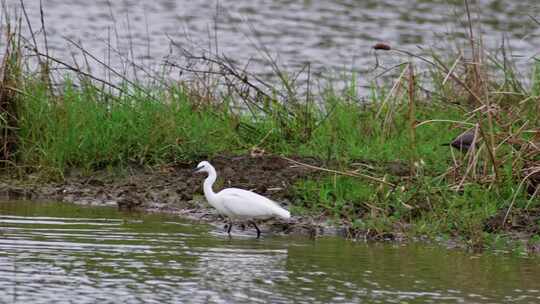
(243, 203)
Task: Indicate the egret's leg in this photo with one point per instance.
(229, 229)
(258, 231)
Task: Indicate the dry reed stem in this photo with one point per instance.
(451, 70)
(394, 88)
(412, 119)
(536, 171)
(345, 173)
(473, 157)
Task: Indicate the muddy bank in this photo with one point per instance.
(519, 224)
(175, 189)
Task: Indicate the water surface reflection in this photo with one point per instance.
(57, 252)
(332, 35)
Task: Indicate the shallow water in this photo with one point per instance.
(53, 253)
(332, 35)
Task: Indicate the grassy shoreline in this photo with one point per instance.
(394, 134)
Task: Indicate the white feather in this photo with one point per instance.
(242, 204)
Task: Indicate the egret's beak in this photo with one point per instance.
(196, 170)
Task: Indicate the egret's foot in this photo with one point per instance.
(258, 231)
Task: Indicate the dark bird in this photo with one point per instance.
(382, 46)
(463, 142)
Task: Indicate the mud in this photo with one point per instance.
(175, 189)
(517, 220)
(520, 225)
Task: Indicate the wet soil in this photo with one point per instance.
(520, 224)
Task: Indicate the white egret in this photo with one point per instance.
(239, 204)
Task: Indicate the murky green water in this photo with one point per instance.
(55, 253)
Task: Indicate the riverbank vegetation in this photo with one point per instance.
(384, 168)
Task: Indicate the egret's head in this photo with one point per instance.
(203, 166)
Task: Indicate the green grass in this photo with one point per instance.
(87, 129)
(90, 129)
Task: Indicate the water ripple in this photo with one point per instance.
(333, 35)
(110, 258)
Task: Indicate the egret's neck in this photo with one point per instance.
(208, 182)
